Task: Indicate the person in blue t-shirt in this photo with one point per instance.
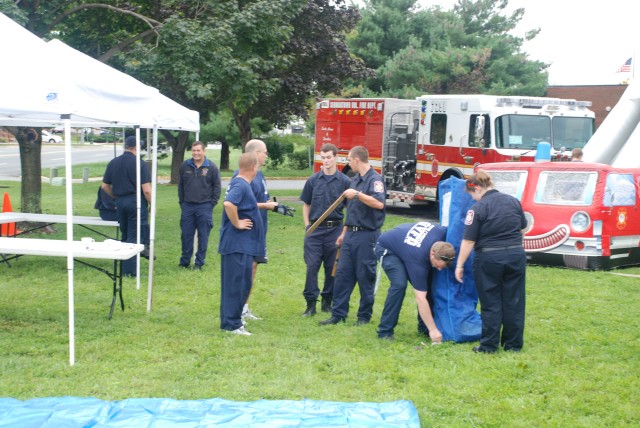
(241, 241)
(260, 192)
(408, 253)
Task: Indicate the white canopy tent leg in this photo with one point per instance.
(138, 204)
(152, 220)
(69, 197)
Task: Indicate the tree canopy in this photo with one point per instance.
(269, 59)
(470, 49)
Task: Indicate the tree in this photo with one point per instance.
(255, 58)
(30, 146)
(468, 49)
(320, 61)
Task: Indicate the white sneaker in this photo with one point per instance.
(240, 331)
(248, 315)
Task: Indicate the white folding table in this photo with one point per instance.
(14, 247)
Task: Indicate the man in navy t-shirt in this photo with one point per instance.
(408, 253)
(241, 240)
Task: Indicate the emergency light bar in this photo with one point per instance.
(541, 102)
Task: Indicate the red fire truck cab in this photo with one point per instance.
(414, 144)
(580, 215)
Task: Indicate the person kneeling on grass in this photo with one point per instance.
(408, 253)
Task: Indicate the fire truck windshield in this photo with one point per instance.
(523, 132)
(509, 182)
(571, 132)
(566, 188)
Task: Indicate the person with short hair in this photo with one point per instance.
(198, 193)
(494, 228)
(241, 241)
(576, 155)
(365, 216)
(320, 191)
(409, 252)
(261, 193)
(119, 182)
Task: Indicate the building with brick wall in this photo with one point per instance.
(603, 97)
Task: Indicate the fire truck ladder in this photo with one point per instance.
(390, 158)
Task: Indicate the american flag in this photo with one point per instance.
(626, 67)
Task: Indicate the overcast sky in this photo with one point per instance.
(585, 41)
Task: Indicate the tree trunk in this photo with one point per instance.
(178, 145)
(30, 146)
(243, 122)
(224, 156)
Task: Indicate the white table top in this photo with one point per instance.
(109, 249)
(13, 217)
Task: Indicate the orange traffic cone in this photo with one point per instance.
(8, 229)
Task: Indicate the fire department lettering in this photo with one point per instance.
(417, 233)
(378, 187)
(469, 219)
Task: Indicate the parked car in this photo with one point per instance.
(48, 137)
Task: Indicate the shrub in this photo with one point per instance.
(298, 160)
(278, 150)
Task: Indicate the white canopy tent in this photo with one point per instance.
(81, 92)
(156, 112)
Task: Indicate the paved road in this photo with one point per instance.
(53, 156)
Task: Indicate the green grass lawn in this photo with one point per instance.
(579, 366)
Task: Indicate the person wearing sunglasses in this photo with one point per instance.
(409, 252)
(494, 228)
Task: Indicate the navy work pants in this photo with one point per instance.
(357, 264)
(398, 277)
(128, 219)
(195, 217)
(320, 249)
(500, 281)
(235, 279)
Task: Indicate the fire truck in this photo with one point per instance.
(414, 144)
(580, 215)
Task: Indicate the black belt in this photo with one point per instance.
(487, 249)
(357, 228)
(328, 223)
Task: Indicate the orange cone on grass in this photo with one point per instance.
(8, 229)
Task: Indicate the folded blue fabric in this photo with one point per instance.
(72, 412)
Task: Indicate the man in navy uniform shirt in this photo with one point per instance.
(241, 240)
(198, 193)
(365, 216)
(119, 182)
(319, 192)
(408, 253)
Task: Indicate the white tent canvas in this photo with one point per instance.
(73, 96)
(39, 97)
(130, 99)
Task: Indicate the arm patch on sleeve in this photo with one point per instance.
(469, 219)
(378, 187)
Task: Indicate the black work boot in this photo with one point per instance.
(311, 309)
(326, 304)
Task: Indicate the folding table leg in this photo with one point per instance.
(5, 260)
(117, 286)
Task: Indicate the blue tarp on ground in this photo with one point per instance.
(72, 412)
(455, 303)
